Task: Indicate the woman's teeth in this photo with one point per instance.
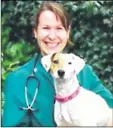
(52, 45)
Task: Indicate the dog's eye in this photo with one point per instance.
(69, 63)
(55, 61)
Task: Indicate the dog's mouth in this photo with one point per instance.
(62, 79)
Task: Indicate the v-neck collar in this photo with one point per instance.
(41, 70)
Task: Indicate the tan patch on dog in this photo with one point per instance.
(57, 61)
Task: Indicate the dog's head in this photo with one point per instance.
(62, 66)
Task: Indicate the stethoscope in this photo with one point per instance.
(32, 76)
(29, 109)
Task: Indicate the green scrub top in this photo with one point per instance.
(44, 116)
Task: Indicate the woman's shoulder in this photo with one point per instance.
(86, 70)
(22, 70)
(18, 77)
(87, 67)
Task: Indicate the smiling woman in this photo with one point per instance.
(50, 33)
(51, 29)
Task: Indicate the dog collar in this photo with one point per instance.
(67, 98)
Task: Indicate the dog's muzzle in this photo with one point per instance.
(61, 73)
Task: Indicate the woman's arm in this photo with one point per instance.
(11, 112)
(89, 80)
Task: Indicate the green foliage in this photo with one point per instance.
(92, 35)
(13, 53)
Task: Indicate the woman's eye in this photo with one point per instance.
(45, 28)
(59, 28)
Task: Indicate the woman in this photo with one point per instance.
(30, 101)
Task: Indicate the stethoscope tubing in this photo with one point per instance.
(32, 76)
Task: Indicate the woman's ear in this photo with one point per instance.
(34, 32)
(69, 31)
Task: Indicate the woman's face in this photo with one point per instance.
(51, 35)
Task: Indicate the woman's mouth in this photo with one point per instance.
(51, 45)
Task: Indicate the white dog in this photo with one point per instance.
(74, 106)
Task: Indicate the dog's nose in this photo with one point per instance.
(61, 73)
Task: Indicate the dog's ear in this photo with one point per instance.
(78, 63)
(46, 61)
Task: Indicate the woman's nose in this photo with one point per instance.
(52, 34)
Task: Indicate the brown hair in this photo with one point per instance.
(55, 7)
